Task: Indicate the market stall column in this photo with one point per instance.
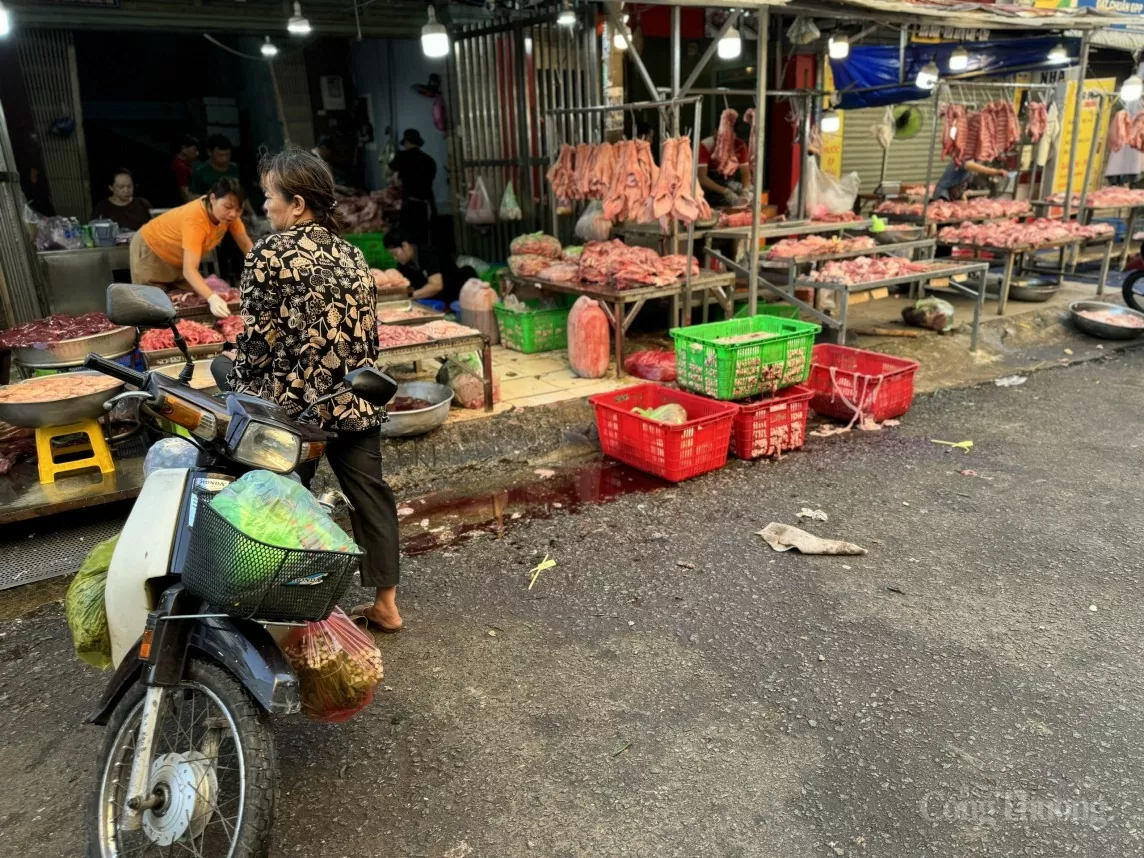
(167, 251)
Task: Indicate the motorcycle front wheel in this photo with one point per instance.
(1134, 290)
(213, 772)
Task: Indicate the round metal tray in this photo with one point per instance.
(1102, 329)
(67, 353)
(405, 423)
(60, 412)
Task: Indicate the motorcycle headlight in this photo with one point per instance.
(271, 448)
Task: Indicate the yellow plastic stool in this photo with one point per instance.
(98, 454)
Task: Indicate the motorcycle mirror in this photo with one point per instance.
(372, 385)
(139, 306)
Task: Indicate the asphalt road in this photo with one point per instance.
(673, 687)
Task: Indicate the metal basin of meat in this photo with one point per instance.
(1106, 330)
(1031, 290)
(59, 412)
(66, 353)
(403, 424)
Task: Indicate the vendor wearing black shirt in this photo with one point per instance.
(432, 273)
(416, 170)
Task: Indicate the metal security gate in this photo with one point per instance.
(47, 62)
(503, 78)
(908, 158)
(20, 277)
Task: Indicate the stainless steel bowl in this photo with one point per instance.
(1032, 294)
(402, 424)
(1101, 329)
(66, 353)
(34, 415)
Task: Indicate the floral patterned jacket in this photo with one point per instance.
(309, 305)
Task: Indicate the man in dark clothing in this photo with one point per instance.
(416, 170)
(431, 273)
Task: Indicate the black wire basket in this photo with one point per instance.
(244, 577)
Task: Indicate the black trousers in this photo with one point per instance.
(356, 461)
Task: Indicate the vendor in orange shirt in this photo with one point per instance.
(166, 251)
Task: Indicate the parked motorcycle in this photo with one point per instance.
(188, 764)
(1134, 283)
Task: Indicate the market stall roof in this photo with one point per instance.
(968, 15)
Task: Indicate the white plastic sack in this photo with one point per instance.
(824, 193)
(480, 208)
(509, 205)
(883, 130)
(592, 225)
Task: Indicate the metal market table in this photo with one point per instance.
(794, 264)
(980, 269)
(1015, 259)
(1043, 207)
(615, 302)
(445, 348)
(786, 228)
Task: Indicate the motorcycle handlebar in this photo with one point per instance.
(115, 370)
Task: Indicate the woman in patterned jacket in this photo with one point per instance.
(308, 303)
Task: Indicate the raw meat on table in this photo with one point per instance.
(55, 329)
(1013, 234)
(561, 272)
(1113, 196)
(194, 333)
(1110, 317)
(528, 265)
(818, 245)
(443, 330)
(613, 261)
(231, 326)
(835, 217)
(536, 244)
(389, 279)
(391, 336)
(949, 210)
(866, 269)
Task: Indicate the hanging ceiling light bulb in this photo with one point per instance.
(434, 37)
(838, 46)
(269, 49)
(299, 24)
(5, 21)
(731, 45)
(1059, 54)
(621, 38)
(1131, 89)
(566, 18)
(927, 76)
(959, 59)
(830, 122)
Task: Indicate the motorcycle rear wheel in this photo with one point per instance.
(214, 764)
(1134, 290)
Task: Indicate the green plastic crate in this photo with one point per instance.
(538, 330)
(782, 311)
(372, 246)
(726, 370)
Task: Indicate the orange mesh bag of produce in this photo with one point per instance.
(338, 667)
(589, 339)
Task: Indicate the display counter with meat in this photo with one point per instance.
(780, 228)
(1112, 200)
(957, 211)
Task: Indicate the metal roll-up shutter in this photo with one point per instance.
(294, 90)
(908, 158)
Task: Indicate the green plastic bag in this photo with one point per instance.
(86, 612)
(672, 413)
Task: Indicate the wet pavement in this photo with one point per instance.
(672, 687)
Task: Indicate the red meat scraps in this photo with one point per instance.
(54, 329)
(231, 326)
(194, 333)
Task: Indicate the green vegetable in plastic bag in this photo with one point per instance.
(87, 616)
(280, 512)
(672, 413)
(931, 312)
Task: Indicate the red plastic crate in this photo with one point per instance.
(845, 380)
(773, 425)
(672, 452)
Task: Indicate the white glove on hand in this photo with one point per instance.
(218, 306)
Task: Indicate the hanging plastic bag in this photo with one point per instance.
(464, 375)
(589, 339)
(280, 512)
(87, 616)
(338, 667)
(480, 209)
(824, 193)
(652, 364)
(592, 225)
(509, 205)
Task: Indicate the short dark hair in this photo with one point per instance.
(187, 140)
(227, 187)
(394, 238)
(218, 141)
(412, 135)
(298, 173)
(121, 171)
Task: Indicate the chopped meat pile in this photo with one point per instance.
(363, 212)
(408, 403)
(194, 333)
(389, 315)
(230, 327)
(52, 388)
(1014, 234)
(945, 210)
(55, 329)
(528, 264)
(866, 269)
(561, 272)
(536, 244)
(1110, 317)
(671, 196)
(443, 330)
(1109, 197)
(391, 336)
(723, 158)
(730, 219)
(390, 279)
(818, 245)
(613, 261)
